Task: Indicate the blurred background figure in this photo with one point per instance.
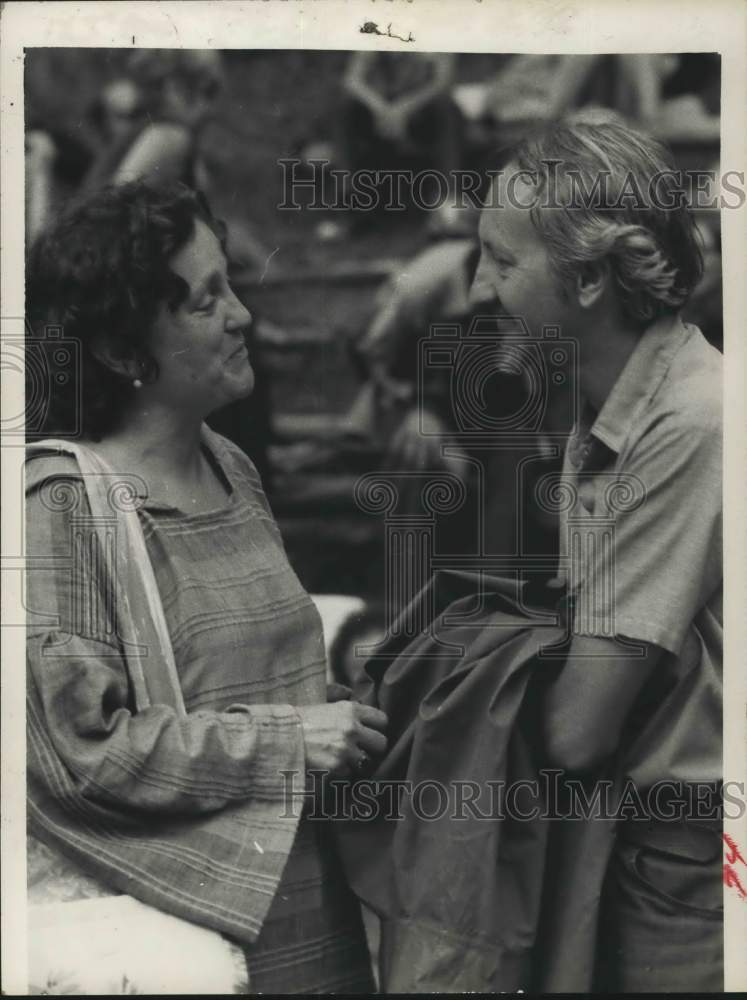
(397, 112)
(519, 91)
(407, 426)
(398, 103)
(117, 115)
(433, 286)
(169, 97)
(178, 91)
(61, 162)
(41, 153)
(675, 96)
(148, 121)
(56, 162)
(537, 87)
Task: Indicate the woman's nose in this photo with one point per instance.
(238, 315)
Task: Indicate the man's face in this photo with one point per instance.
(515, 262)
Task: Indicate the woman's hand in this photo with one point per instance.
(340, 735)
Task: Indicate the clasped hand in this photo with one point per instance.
(339, 735)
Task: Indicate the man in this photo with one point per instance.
(641, 542)
(414, 421)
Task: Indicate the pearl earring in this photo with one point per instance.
(137, 384)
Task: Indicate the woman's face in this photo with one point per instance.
(200, 348)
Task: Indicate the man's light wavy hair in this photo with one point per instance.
(653, 252)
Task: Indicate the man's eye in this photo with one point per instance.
(498, 260)
(206, 304)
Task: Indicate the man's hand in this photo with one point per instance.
(338, 735)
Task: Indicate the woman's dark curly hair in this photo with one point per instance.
(103, 270)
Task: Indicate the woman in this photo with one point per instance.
(194, 815)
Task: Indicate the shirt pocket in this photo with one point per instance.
(687, 887)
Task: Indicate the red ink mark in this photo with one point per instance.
(731, 880)
(732, 855)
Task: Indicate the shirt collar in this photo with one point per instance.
(639, 380)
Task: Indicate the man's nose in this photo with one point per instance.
(482, 288)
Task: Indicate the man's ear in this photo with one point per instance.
(116, 356)
(591, 282)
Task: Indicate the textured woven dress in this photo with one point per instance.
(137, 798)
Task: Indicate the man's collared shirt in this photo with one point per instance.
(641, 536)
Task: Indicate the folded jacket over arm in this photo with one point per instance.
(477, 889)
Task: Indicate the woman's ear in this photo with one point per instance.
(116, 356)
(591, 282)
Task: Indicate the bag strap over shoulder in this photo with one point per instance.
(147, 645)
